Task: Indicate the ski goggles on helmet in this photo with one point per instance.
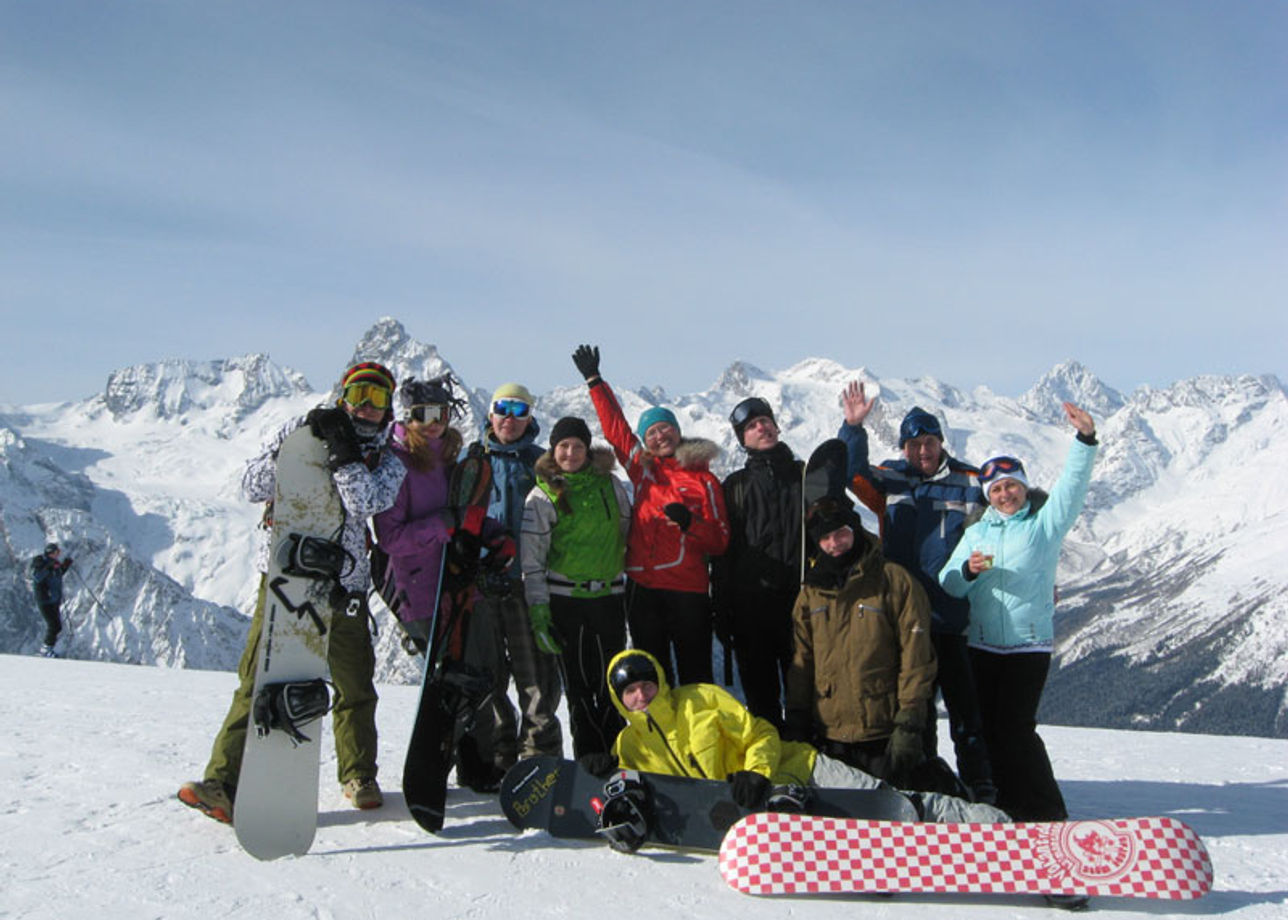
(368, 394)
(750, 408)
(514, 408)
(1000, 468)
(918, 423)
(428, 413)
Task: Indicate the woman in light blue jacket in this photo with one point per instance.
(1005, 566)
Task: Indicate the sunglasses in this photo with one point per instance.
(515, 408)
(428, 413)
(368, 394)
(1000, 466)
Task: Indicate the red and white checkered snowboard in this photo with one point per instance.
(771, 853)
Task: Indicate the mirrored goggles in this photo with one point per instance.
(368, 394)
(999, 467)
(515, 408)
(428, 413)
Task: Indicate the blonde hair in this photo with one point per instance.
(424, 459)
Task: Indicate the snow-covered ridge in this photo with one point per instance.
(168, 389)
(1172, 609)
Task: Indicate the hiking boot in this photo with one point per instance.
(209, 796)
(364, 792)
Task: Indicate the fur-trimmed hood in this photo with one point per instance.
(692, 453)
(602, 462)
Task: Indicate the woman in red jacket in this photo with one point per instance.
(678, 520)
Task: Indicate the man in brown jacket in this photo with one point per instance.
(863, 667)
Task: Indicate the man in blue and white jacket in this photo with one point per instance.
(925, 500)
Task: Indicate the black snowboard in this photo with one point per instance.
(449, 687)
(825, 472)
(694, 814)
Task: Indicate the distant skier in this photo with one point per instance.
(47, 584)
(367, 478)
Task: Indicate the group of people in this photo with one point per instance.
(842, 638)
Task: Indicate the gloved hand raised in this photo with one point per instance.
(586, 357)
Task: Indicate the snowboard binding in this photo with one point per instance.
(312, 557)
(623, 812)
(790, 798)
(288, 706)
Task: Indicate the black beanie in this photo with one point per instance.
(570, 427)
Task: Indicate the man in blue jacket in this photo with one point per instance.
(502, 638)
(925, 501)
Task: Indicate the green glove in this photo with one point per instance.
(542, 629)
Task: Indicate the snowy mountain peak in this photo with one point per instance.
(1070, 381)
(167, 389)
(388, 343)
(738, 379)
(1210, 390)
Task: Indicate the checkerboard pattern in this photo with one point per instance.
(771, 853)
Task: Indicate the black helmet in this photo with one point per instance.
(750, 408)
(51, 548)
(631, 667)
(436, 392)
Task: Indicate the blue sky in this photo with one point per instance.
(971, 191)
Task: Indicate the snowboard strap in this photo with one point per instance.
(623, 811)
(288, 706)
(313, 557)
(790, 798)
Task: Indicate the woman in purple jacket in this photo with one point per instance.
(416, 529)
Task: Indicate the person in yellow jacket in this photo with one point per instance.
(703, 731)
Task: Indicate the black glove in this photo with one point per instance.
(749, 788)
(334, 426)
(67, 563)
(600, 763)
(905, 751)
(586, 357)
(677, 512)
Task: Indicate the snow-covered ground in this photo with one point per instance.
(90, 827)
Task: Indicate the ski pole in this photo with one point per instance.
(77, 573)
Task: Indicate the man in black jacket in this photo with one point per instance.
(47, 583)
(757, 579)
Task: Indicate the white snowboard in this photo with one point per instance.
(277, 791)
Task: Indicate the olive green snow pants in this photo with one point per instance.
(352, 662)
